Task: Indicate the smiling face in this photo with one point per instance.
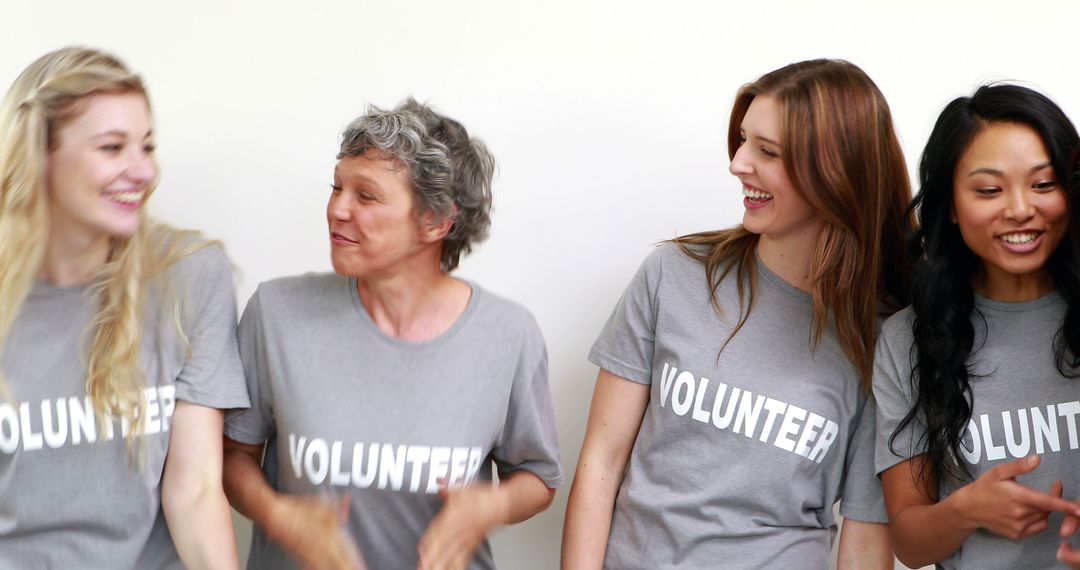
(774, 209)
(100, 168)
(373, 228)
(1010, 208)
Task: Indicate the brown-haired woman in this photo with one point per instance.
(732, 407)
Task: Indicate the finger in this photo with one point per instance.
(1056, 488)
(1013, 469)
(1069, 556)
(1045, 501)
(1035, 528)
(1069, 525)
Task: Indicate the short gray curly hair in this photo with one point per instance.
(447, 168)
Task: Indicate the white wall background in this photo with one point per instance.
(607, 120)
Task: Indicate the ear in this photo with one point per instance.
(433, 229)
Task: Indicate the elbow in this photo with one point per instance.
(180, 496)
(912, 556)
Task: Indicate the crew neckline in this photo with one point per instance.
(369, 323)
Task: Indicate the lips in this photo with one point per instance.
(1022, 241)
(128, 199)
(341, 238)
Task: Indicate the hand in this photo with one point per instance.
(312, 529)
(995, 501)
(1065, 552)
(467, 516)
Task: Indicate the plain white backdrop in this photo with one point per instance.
(607, 119)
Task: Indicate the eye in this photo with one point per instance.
(769, 152)
(365, 197)
(111, 148)
(149, 148)
(335, 188)
(1045, 186)
(988, 191)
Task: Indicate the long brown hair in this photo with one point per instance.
(842, 155)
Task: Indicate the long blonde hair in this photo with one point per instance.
(46, 96)
(841, 152)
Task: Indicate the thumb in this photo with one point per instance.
(1016, 468)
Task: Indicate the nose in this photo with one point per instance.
(142, 169)
(1018, 206)
(338, 207)
(740, 164)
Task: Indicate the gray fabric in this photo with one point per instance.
(746, 479)
(70, 496)
(329, 388)
(1019, 385)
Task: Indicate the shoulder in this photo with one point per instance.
(299, 289)
(492, 306)
(896, 330)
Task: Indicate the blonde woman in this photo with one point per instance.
(118, 353)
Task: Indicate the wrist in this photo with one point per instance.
(958, 506)
(277, 518)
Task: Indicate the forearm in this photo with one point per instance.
(191, 493)
(588, 515)
(200, 525)
(926, 534)
(864, 545)
(248, 490)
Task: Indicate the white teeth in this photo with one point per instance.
(1020, 237)
(133, 197)
(755, 194)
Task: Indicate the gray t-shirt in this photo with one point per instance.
(347, 409)
(1021, 406)
(71, 496)
(741, 454)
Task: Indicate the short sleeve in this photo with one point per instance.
(529, 440)
(211, 375)
(861, 497)
(625, 345)
(254, 425)
(893, 392)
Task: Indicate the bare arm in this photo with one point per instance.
(864, 545)
(309, 528)
(614, 419)
(471, 513)
(925, 530)
(191, 493)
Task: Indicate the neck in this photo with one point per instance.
(790, 257)
(417, 306)
(72, 260)
(1012, 288)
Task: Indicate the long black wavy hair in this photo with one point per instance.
(941, 291)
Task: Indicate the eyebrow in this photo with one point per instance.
(995, 172)
(119, 133)
(760, 137)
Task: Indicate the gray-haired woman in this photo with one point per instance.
(389, 383)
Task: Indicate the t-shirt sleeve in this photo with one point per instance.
(625, 345)
(529, 440)
(254, 425)
(893, 392)
(211, 375)
(861, 497)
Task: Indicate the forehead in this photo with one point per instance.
(1003, 145)
(763, 117)
(373, 166)
(125, 114)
